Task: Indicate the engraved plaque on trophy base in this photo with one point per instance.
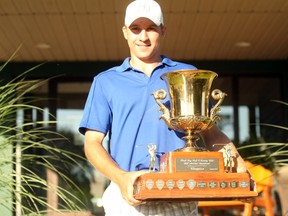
(193, 176)
(172, 162)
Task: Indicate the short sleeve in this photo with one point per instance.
(97, 112)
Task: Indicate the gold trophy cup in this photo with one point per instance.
(192, 172)
(189, 91)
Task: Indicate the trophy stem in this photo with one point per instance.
(191, 138)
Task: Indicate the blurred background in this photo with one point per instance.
(245, 42)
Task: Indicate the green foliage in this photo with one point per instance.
(269, 154)
(28, 148)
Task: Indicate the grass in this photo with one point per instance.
(28, 148)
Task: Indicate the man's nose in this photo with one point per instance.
(143, 35)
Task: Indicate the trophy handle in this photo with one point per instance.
(160, 95)
(216, 95)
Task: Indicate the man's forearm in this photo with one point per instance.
(100, 158)
(216, 140)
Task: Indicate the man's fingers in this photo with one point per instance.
(138, 174)
(132, 201)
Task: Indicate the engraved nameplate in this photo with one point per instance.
(202, 184)
(149, 184)
(170, 184)
(234, 184)
(160, 184)
(223, 184)
(244, 184)
(197, 164)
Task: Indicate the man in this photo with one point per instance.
(120, 104)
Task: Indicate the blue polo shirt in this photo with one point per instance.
(120, 103)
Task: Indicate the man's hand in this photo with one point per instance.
(102, 161)
(242, 168)
(126, 185)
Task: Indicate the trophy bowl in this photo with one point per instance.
(189, 92)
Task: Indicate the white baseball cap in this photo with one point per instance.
(144, 8)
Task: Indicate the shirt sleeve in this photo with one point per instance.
(97, 112)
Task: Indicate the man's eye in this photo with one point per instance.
(151, 29)
(134, 29)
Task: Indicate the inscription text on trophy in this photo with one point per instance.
(197, 164)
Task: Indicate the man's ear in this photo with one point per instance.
(163, 30)
(124, 30)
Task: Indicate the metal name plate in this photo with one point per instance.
(202, 184)
(234, 184)
(244, 184)
(197, 164)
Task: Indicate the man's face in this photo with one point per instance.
(143, 38)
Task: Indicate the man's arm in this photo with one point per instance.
(102, 161)
(216, 140)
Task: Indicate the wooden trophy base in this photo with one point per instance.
(193, 176)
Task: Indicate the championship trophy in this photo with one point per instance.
(191, 172)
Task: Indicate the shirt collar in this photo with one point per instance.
(125, 66)
(168, 61)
